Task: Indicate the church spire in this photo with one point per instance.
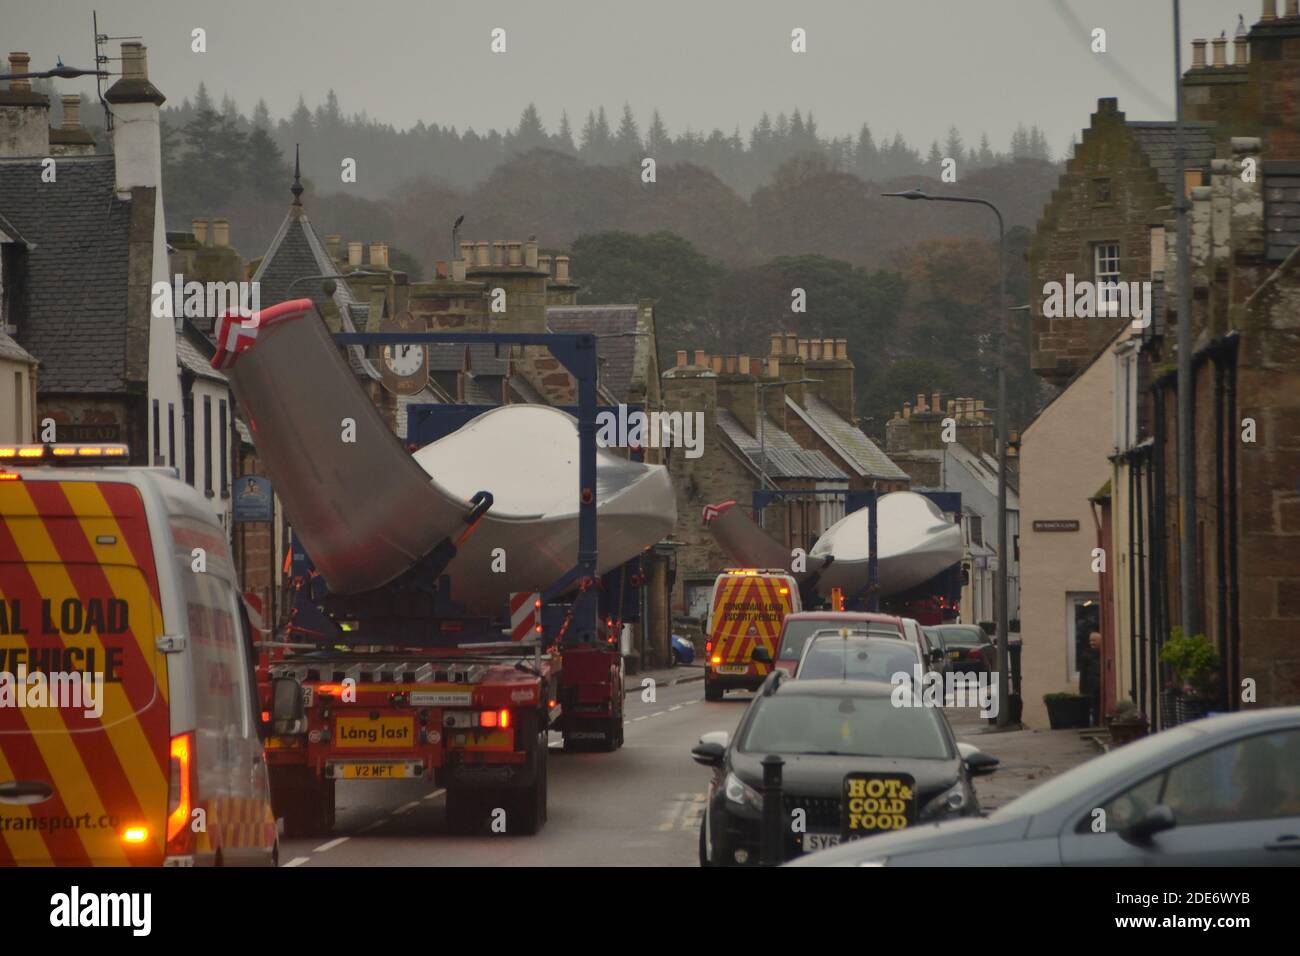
(296, 188)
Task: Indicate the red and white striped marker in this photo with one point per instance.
(525, 613)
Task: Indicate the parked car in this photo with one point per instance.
(966, 648)
(841, 654)
(682, 650)
(854, 764)
(1220, 791)
(797, 628)
(913, 632)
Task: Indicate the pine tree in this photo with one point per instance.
(627, 144)
(954, 147)
(202, 101)
(261, 116)
(935, 159)
(986, 157)
(564, 138)
(530, 134)
(657, 139)
(866, 158)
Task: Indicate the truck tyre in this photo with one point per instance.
(527, 807)
(305, 801)
(711, 690)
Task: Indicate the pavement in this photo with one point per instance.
(664, 677)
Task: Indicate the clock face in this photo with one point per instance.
(404, 359)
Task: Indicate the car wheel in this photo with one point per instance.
(704, 844)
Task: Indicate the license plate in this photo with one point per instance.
(732, 668)
(819, 841)
(381, 732)
(954, 654)
(377, 771)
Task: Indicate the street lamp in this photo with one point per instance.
(1000, 579)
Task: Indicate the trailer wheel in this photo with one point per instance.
(527, 806)
(462, 810)
(305, 801)
(711, 690)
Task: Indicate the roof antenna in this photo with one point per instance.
(296, 188)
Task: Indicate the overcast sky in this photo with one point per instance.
(914, 66)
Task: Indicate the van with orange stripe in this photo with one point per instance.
(128, 729)
(745, 614)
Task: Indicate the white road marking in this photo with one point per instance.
(642, 717)
(675, 707)
(436, 793)
(659, 713)
(325, 847)
(298, 861)
(373, 826)
(407, 807)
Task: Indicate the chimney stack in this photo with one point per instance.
(332, 243)
(354, 254)
(19, 62)
(24, 115)
(1270, 10)
(200, 229)
(1198, 54)
(700, 358)
(379, 255)
(530, 252)
(1220, 52)
(221, 233)
(681, 357)
(457, 270)
(71, 111)
(137, 131)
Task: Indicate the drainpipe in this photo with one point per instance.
(1234, 618)
(1160, 540)
(1138, 559)
(1220, 532)
(1137, 650)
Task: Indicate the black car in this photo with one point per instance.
(855, 764)
(966, 648)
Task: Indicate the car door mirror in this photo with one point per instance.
(288, 714)
(936, 655)
(1156, 820)
(708, 753)
(762, 655)
(980, 763)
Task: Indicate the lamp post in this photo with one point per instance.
(1000, 579)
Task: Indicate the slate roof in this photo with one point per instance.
(76, 271)
(860, 452)
(779, 456)
(296, 252)
(616, 352)
(1157, 142)
(191, 358)
(11, 350)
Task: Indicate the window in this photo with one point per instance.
(171, 431)
(1126, 400)
(1257, 778)
(207, 445)
(20, 433)
(1101, 192)
(1105, 273)
(225, 448)
(1157, 250)
(157, 434)
(976, 529)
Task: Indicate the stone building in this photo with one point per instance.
(1244, 219)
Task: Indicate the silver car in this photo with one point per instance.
(1222, 791)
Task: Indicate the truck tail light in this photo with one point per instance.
(180, 802)
(494, 718)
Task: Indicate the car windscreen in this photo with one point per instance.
(850, 658)
(964, 637)
(798, 632)
(844, 724)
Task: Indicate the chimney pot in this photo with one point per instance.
(221, 233)
(776, 344)
(773, 366)
(514, 253)
(467, 252)
(681, 357)
(332, 244)
(530, 252)
(71, 111)
(439, 269)
(842, 349)
(498, 252)
(135, 64)
(979, 408)
(716, 363)
(1198, 54)
(544, 264)
(1240, 52)
(1293, 8)
(200, 229)
(379, 255)
(562, 269)
(744, 366)
(907, 410)
(920, 401)
(700, 358)
(354, 253)
(1270, 10)
(934, 402)
(18, 63)
(482, 254)
(458, 270)
(1220, 52)
(791, 343)
(803, 349)
(730, 361)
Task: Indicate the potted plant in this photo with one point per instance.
(1193, 664)
(1126, 723)
(1066, 711)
